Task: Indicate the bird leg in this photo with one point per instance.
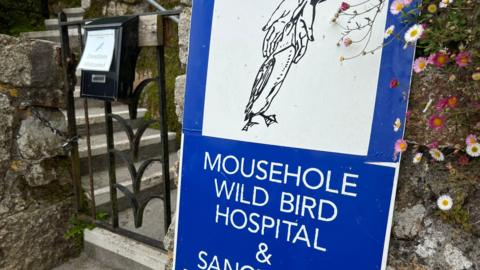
(250, 123)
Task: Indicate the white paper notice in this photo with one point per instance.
(98, 52)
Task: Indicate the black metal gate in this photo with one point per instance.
(136, 201)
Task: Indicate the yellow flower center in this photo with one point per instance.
(452, 101)
(399, 7)
(422, 65)
(437, 122)
(403, 146)
(432, 8)
(445, 202)
(414, 33)
(442, 59)
(474, 149)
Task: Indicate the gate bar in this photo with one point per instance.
(69, 67)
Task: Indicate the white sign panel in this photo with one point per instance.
(315, 91)
(98, 52)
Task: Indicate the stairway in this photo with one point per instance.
(102, 246)
(104, 249)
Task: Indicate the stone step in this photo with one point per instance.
(97, 114)
(91, 101)
(149, 147)
(153, 223)
(74, 12)
(151, 183)
(119, 252)
(97, 118)
(83, 262)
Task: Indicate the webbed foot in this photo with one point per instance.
(270, 119)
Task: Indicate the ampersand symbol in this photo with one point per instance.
(262, 256)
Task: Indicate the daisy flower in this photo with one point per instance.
(400, 146)
(441, 104)
(389, 31)
(437, 154)
(473, 150)
(436, 122)
(452, 102)
(476, 76)
(463, 59)
(397, 7)
(420, 64)
(397, 125)
(407, 2)
(445, 202)
(445, 3)
(471, 139)
(417, 158)
(439, 59)
(432, 8)
(414, 33)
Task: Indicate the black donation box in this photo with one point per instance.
(109, 58)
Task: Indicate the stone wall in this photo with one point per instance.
(35, 191)
(423, 237)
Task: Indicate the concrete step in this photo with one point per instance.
(153, 223)
(97, 114)
(91, 102)
(74, 12)
(150, 184)
(83, 262)
(97, 118)
(119, 252)
(149, 147)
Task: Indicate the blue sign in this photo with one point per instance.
(292, 111)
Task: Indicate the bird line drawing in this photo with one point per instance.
(288, 32)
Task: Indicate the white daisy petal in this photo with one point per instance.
(445, 202)
(389, 31)
(397, 125)
(417, 158)
(414, 33)
(445, 3)
(437, 154)
(397, 7)
(473, 150)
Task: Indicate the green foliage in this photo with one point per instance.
(102, 216)
(78, 226)
(147, 64)
(95, 9)
(456, 27)
(20, 16)
(456, 216)
(75, 233)
(29, 15)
